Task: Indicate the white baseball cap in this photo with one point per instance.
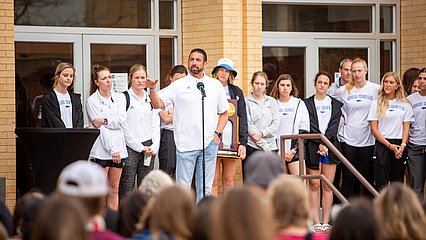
(83, 179)
(227, 64)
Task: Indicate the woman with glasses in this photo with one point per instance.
(107, 112)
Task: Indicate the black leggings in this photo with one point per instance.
(362, 159)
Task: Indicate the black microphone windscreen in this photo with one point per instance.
(200, 85)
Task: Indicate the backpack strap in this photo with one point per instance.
(126, 94)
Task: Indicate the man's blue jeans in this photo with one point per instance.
(187, 162)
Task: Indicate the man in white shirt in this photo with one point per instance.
(345, 75)
(187, 121)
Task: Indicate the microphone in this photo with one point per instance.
(200, 86)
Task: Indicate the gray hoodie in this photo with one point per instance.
(262, 117)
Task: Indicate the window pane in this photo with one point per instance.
(316, 18)
(120, 57)
(167, 14)
(386, 57)
(291, 60)
(166, 59)
(329, 58)
(386, 19)
(35, 68)
(84, 13)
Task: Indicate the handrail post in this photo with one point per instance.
(345, 161)
(301, 156)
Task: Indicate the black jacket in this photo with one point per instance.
(332, 128)
(51, 113)
(236, 93)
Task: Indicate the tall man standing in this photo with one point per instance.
(187, 121)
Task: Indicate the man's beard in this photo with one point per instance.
(196, 70)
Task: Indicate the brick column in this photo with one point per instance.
(225, 28)
(7, 100)
(231, 28)
(413, 42)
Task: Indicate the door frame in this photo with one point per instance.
(312, 46)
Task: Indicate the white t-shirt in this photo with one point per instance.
(65, 105)
(111, 137)
(390, 125)
(187, 119)
(287, 112)
(356, 106)
(418, 127)
(323, 108)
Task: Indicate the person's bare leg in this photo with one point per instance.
(314, 185)
(329, 170)
(293, 168)
(114, 175)
(228, 173)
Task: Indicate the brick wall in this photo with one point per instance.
(413, 28)
(7, 100)
(231, 28)
(225, 28)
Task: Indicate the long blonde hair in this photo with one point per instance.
(351, 82)
(382, 100)
(399, 213)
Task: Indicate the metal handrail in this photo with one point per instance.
(301, 137)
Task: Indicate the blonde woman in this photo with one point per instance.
(355, 136)
(142, 131)
(390, 117)
(61, 108)
(290, 205)
(399, 213)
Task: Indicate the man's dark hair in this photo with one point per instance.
(200, 51)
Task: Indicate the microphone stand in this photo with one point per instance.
(204, 150)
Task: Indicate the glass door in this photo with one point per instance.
(303, 57)
(119, 53)
(331, 52)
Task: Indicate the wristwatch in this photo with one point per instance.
(219, 134)
(105, 121)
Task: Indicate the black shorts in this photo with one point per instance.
(109, 163)
(314, 163)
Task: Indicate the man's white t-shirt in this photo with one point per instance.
(390, 125)
(356, 106)
(323, 108)
(418, 127)
(65, 105)
(187, 119)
